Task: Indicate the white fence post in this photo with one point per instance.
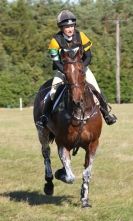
(20, 104)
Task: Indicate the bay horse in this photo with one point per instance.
(77, 124)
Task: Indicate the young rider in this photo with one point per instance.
(66, 37)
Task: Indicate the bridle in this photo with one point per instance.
(74, 85)
(80, 105)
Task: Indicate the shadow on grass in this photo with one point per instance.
(35, 198)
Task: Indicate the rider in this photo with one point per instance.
(66, 37)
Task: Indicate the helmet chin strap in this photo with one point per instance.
(67, 37)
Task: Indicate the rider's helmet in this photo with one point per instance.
(65, 18)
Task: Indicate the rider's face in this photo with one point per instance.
(68, 30)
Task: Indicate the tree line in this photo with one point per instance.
(26, 28)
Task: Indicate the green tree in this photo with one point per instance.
(26, 28)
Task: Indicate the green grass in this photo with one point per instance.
(22, 178)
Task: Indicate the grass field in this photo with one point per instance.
(22, 178)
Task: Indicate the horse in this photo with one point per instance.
(76, 124)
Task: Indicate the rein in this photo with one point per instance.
(67, 84)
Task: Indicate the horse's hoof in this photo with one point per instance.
(49, 188)
(61, 175)
(87, 206)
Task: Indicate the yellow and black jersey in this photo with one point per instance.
(55, 44)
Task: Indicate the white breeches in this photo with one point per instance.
(59, 79)
(91, 79)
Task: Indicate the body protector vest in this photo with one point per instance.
(63, 43)
(59, 42)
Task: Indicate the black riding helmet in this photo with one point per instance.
(65, 18)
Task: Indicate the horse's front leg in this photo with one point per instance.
(89, 157)
(44, 139)
(65, 174)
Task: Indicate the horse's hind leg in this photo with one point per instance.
(65, 174)
(89, 157)
(44, 139)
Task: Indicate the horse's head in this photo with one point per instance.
(74, 72)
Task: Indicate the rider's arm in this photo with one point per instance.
(54, 53)
(87, 57)
(86, 43)
(58, 65)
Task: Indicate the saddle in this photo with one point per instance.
(61, 98)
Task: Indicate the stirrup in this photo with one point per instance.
(39, 124)
(44, 120)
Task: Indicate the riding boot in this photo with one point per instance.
(105, 109)
(48, 105)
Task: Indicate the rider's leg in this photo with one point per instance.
(109, 119)
(58, 79)
(48, 102)
(91, 79)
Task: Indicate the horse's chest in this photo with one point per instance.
(78, 136)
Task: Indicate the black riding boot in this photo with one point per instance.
(48, 105)
(109, 119)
